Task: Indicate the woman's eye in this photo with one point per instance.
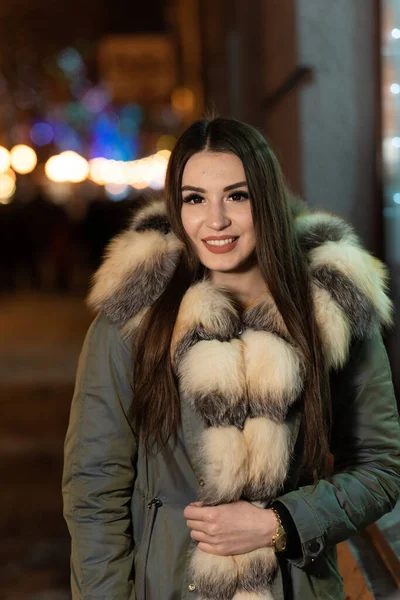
(192, 199)
(239, 196)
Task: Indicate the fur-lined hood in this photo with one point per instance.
(349, 284)
(242, 373)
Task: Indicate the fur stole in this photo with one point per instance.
(242, 373)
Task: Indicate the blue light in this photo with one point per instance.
(110, 140)
(396, 198)
(42, 134)
(67, 138)
(395, 88)
(96, 99)
(116, 191)
(70, 61)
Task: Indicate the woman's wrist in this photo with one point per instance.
(293, 543)
(278, 541)
(270, 527)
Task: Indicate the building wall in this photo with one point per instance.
(337, 110)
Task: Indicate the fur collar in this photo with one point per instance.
(349, 284)
(242, 374)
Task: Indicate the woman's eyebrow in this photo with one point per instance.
(226, 189)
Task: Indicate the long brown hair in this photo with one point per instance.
(283, 267)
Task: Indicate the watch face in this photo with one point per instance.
(280, 543)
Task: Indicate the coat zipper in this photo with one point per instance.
(153, 505)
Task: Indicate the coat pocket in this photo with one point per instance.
(144, 549)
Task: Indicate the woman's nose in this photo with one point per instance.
(217, 217)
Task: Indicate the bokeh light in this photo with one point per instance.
(395, 88)
(76, 167)
(5, 159)
(7, 187)
(67, 166)
(183, 99)
(42, 134)
(96, 99)
(139, 174)
(54, 169)
(117, 191)
(70, 61)
(23, 159)
(140, 185)
(97, 168)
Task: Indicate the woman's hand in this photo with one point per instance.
(230, 529)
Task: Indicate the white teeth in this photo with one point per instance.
(220, 242)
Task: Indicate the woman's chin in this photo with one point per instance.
(224, 265)
(228, 264)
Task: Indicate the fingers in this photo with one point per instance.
(198, 513)
(200, 536)
(205, 543)
(199, 525)
(208, 548)
(208, 528)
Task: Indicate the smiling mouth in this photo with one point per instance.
(221, 242)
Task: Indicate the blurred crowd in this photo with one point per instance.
(42, 247)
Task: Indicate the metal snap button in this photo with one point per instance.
(191, 587)
(314, 547)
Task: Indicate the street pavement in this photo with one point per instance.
(41, 337)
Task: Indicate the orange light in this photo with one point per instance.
(67, 166)
(183, 99)
(5, 159)
(23, 159)
(7, 187)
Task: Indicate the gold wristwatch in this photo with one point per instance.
(278, 541)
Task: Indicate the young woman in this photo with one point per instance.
(237, 349)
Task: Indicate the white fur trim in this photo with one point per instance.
(124, 255)
(307, 221)
(157, 207)
(262, 558)
(273, 368)
(214, 367)
(203, 304)
(268, 446)
(267, 595)
(334, 327)
(364, 270)
(380, 276)
(268, 304)
(224, 458)
(265, 555)
(216, 569)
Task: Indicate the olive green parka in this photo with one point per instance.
(124, 508)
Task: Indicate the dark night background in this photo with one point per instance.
(317, 77)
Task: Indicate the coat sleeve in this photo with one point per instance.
(366, 448)
(99, 468)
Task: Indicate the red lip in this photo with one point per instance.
(219, 237)
(221, 249)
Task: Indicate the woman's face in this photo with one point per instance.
(216, 211)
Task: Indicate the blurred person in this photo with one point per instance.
(102, 221)
(237, 345)
(9, 250)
